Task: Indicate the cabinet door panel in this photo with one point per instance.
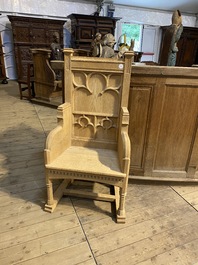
(140, 99)
(21, 34)
(85, 33)
(176, 129)
(39, 35)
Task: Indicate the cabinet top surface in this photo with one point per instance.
(74, 15)
(146, 70)
(21, 18)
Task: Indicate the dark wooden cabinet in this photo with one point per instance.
(187, 46)
(84, 28)
(31, 33)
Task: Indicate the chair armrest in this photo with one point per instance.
(59, 138)
(124, 144)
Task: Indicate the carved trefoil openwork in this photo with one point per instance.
(102, 93)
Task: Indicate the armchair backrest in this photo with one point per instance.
(44, 74)
(97, 89)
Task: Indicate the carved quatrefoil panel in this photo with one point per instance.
(95, 127)
(96, 92)
(84, 126)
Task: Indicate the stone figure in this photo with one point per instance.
(131, 47)
(99, 4)
(56, 53)
(174, 33)
(104, 47)
(56, 48)
(108, 42)
(96, 48)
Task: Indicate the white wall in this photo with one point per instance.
(151, 17)
(152, 21)
(61, 9)
(7, 41)
(49, 8)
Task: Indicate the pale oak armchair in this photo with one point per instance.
(91, 141)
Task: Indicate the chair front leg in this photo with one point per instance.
(50, 197)
(121, 216)
(49, 206)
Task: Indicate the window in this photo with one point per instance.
(131, 31)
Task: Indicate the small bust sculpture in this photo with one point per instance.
(56, 47)
(108, 42)
(56, 53)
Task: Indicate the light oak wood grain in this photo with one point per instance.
(91, 141)
(161, 225)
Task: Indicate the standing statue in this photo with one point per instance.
(176, 28)
(96, 49)
(99, 4)
(171, 37)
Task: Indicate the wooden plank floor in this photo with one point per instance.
(162, 218)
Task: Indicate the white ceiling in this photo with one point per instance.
(188, 6)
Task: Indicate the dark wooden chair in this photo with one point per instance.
(26, 78)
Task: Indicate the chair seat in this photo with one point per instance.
(100, 161)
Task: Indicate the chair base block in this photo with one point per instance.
(57, 196)
(50, 208)
(120, 219)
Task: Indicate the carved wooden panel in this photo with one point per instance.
(45, 84)
(84, 28)
(193, 165)
(23, 57)
(22, 34)
(139, 107)
(102, 95)
(39, 35)
(32, 33)
(164, 123)
(176, 128)
(85, 33)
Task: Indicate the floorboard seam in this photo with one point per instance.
(81, 225)
(45, 133)
(184, 199)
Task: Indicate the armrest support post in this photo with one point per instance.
(124, 145)
(60, 138)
